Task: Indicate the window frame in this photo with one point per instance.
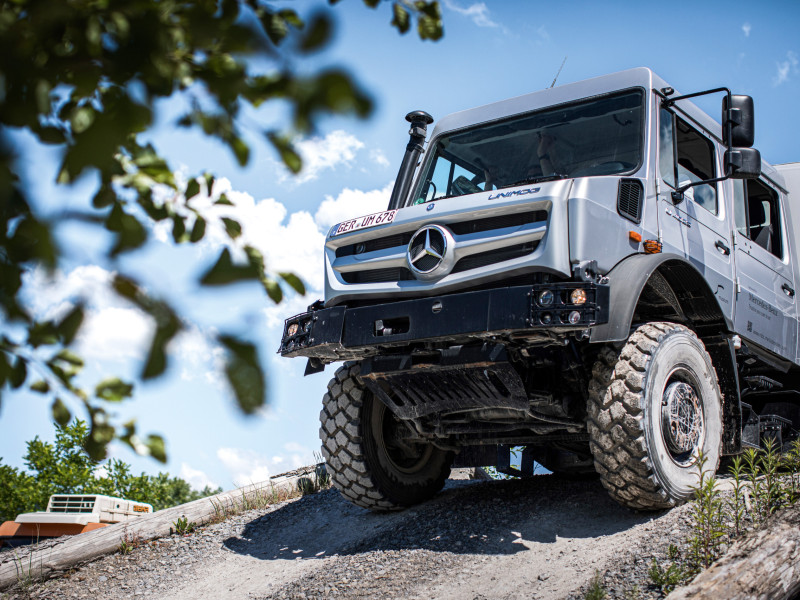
(780, 229)
(712, 144)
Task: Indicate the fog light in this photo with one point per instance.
(546, 318)
(545, 298)
(574, 317)
(292, 329)
(578, 296)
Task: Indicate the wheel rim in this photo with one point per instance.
(404, 456)
(682, 418)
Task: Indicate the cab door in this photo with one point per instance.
(766, 304)
(701, 224)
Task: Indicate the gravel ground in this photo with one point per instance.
(540, 538)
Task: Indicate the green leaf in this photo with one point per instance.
(42, 334)
(69, 357)
(40, 386)
(294, 281)
(104, 197)
(82, 118)
(113, 390)
(192, 189)
(178, 229)
(429, 20)
(288, 154)
(274, 291)
(70, 324)
(157, 448)
(225, 272)
(240, 149)
(130, 232)
(18, 373)
(198, 230)
(318, 34)
(244, 374)
(402, 19)
(223, 201)
(232, 227)
(168, 326)
(61, 414)
(372, 3)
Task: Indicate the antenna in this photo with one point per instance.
(559, 71)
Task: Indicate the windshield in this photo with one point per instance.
(602, 136)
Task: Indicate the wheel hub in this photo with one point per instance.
(682, 421)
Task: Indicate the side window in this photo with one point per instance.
(695, 157)
(686, 156)
(666, 145)
(764, 217)
(740, 207)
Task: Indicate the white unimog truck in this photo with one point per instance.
(598, 272)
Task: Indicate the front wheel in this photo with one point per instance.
(372, 460)
(654, 407)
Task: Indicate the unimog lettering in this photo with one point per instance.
(605, 265)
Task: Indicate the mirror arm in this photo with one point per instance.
(677, 195)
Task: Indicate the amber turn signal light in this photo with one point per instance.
(652, 247)
(635, 236)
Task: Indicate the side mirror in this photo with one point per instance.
(741, 116)
(743, 163)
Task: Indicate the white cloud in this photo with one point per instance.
(196, 478)
(318, 154)
(249, 466)
(115, 334)
(351, 203)
(478, 12)
(746, 28)
(244, 466)
(786, 68)
(199, 358)
(378, 157)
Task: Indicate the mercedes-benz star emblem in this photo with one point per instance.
(430, 252)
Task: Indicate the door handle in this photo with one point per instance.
(722, 247)
(788, 290)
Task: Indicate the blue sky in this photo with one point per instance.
(490, 51)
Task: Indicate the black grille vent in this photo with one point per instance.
(629, 199)
(378, 275)
(390, 241)
(494, 256)
(490, 223)
(461, 228)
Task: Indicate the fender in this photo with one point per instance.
(628, 279)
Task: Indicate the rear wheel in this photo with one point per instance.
(373, 462)
(654, 406)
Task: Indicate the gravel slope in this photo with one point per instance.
(539, 538)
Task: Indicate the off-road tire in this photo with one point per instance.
(630, 448)
(357, 457)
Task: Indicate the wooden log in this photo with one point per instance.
(68, 552)
(765, 565)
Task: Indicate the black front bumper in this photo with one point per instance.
(340, 333)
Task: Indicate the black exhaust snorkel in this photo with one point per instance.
(419, 120)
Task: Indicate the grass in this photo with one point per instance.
(262, 498)
(595, 591)
(764, 481)
(128, 542)
(183, 526)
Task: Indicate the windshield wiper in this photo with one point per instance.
(536, 179)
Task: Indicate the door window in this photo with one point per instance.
(758, 215)
(687, 156)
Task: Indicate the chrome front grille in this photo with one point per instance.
(479, 242)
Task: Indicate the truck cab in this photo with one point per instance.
(598, 272)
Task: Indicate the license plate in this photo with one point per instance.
(381, 218)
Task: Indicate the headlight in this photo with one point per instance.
(578, 296)
(546, 298)
(292, 329)
(574, 317)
